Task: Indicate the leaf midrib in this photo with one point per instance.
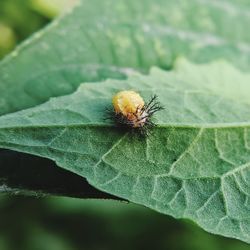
(159, 126)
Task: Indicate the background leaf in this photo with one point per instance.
(111, 38)
(195, 165)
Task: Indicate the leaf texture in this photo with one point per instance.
(195, 165)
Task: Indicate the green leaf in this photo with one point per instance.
(196, 163)
(109, 39)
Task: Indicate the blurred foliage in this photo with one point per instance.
(21, 18)
(19, 21)
(7, 39)
(51, 8)
(73, 224)
(56, 223)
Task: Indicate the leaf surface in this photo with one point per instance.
(196, 164)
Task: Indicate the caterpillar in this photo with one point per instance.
(132, 113)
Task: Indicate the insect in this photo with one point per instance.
(131, 112)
